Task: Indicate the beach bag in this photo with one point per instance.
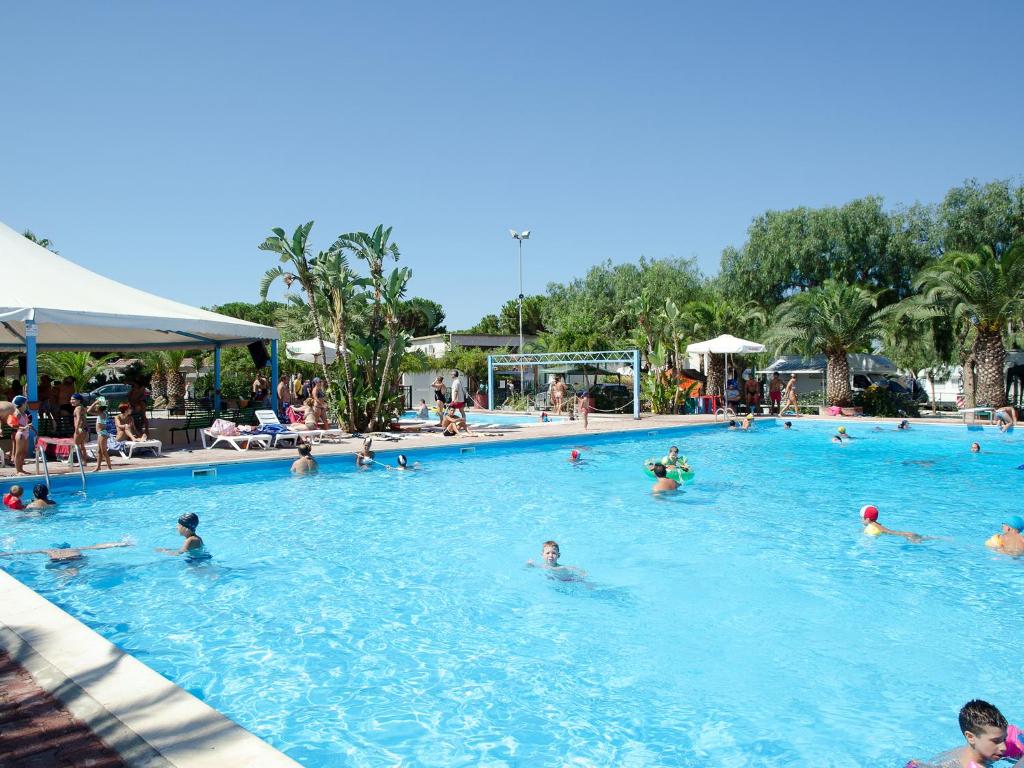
(224, 427)
(835, 410)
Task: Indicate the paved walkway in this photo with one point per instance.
(37, 732)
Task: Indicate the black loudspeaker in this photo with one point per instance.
(258, 353)
(22, 365)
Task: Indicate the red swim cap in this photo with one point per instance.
(869, 512)
(575, 454)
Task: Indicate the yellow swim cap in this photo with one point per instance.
(841, 430)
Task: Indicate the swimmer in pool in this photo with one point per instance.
(64, 554)
(975, 448)
(549, 555)
(1010, 541)
(903, 425)
(305, 464)
(662, 483)
(869, 519)
(42, 498)
(193, 545)
(748, 422)
(732, 423)
(574, 457)
(364, 457)
(402, 464)
(787, 425)
(837, 439)
(989, 738)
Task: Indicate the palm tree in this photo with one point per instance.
(82, 367)
(982, 294)
(714, 315)
(835, 318)
(391, 311)
(373, 248)
(44, 242)
(173, 359)
(643, 312)
(340, 285)
(157, 364)
(296, 252)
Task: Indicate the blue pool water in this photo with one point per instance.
(378, 619)
(478, 417)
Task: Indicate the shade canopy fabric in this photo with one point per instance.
(73, 308)
(725, 344)
(308, 350)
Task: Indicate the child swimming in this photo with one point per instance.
(549, 554)
(869, 519)
(193, 545)
(1010, 541)
(989, 739)
(12, 499)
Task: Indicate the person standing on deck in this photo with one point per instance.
(458, 395)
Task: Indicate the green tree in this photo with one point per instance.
(82, 367)
(974, 216)
(713, 315)
(533, 316)
(264, 312)
(982, 293)
(488, 324)
(422, 317)
(295, 251)
(834, 319)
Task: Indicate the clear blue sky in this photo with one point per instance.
(159, 142)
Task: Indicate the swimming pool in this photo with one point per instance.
(479, 417)
(375, 619)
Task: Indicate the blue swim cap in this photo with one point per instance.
(19, 400)
(1015, 521)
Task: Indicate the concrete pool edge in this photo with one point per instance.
(148, 720)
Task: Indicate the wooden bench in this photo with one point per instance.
(194, 421)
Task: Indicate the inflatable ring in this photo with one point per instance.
(673, 473)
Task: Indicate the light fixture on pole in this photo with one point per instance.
(520, 236)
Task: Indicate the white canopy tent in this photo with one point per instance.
(308, 351)
(725, 344)
(54, 304)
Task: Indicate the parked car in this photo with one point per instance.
(862, 381)
(114, 394)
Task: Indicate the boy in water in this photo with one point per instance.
(975, 447)
(12, 499)
(672, 459)
(662, 482)
(989, 740)
(549, 555)
(187, 525)
(869, 519)
(305, 464)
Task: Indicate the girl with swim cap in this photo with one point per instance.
(869, 519)
(193, 545)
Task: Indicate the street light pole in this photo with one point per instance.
(520, 236)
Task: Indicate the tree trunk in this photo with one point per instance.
(311, 298)
(158, 386)
(341, 342)
(716, 375)
(175, 388)
(837, 386)
(383, 380)
(967, 377)
(991, 355)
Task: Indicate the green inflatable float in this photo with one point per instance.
(675, 473)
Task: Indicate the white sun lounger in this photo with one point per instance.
(235, 441)
(267, 417)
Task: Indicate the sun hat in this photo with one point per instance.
(1014, 521)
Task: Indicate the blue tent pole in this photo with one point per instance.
(636, 383)
(31, 373)
(490, 382)
(216, 378)
(274, 374)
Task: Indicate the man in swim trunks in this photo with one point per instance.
(752, 394)
(556, 394)
(989, 740)
(662, 482)
(458, 395)
(305, 464)
(775, 392)
(1010, 541)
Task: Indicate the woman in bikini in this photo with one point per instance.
(124, 424)
(22, 423)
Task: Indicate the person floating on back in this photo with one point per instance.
(989, 740)
(1010, 541)
(193, 545)
(305, 464)
(869, 519)
(662, 483)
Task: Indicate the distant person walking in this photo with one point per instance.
(775, 393)
(439, 397)
(789, 395)
(556, 394)
(458, 394)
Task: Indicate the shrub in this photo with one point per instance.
(880, 401)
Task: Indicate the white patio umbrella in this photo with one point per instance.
(308, 351)
(725, 344)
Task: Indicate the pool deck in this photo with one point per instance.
(80, 682)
